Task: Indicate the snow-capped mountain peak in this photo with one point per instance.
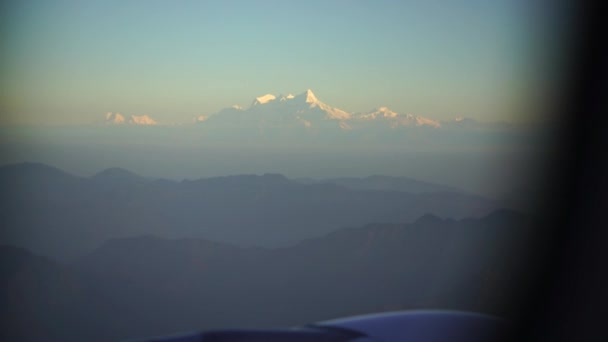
(310, 97)
(394, 119)
(331, 113)
(302, 102)
(285, 98)
(306, 110)
(263, 99)
(119, 119)
(381, 112)
(307, 97)
(142, 120)
(420, 121)
(115, 118)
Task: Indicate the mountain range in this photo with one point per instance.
(386, 183)
(146, 285)
(304, 111)
(119, 119)
(47, 210)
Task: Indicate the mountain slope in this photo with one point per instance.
(45, 211)
(388, 118)
(304, 112)
(470, 264)
(119, 119)
(144, 286)
(383, 183)
(41, 300)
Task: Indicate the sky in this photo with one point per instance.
(70, 62)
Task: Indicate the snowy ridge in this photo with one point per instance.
(420, 121)
(394, 119)
(382, 112)
(331, 113)
(115, 118)
(119, 119)
(142, 120)
(306, 110)
(263, 99)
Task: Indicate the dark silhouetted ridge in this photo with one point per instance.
(29, 169)
(428, 219)
(267, 210)
(117, 174)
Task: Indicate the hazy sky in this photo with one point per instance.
(70, 62)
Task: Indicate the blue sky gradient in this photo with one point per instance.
(70, 62)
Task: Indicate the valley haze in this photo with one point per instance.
(47, 210)
(299, 136)
(172, 166)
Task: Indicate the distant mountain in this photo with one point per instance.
(383, 183)
(160, 286)
(119, 119)
(461, 122)
(42, 300)
(305, 121)
(45, 209)
(117, 175)
(391, 119)
(306, 113)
